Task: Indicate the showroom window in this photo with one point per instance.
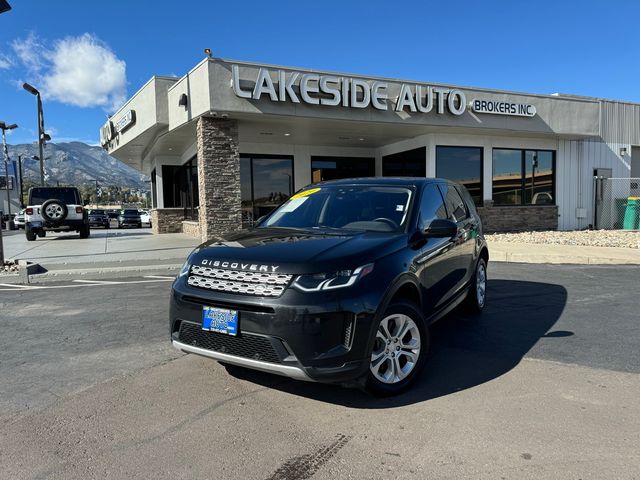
(523, 177)
(180, 188)
(412, 163)
(462, 165)
(265, 182)
(335, 168)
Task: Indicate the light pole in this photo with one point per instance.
(4, 127)
(42, 137)
(21, 181)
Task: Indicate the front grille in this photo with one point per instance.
(244, 345)
(261, 284)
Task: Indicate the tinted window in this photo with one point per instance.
(412, 163)
(265, 182)
(96, 212)
(462, 165)
(523, 177)
(130, 212)
(455, 205)
(431, 206)
(68, 196)
(335, 168)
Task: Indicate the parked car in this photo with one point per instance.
(339, 284)
(129, 217)
(145, 217)
(58, 209)
(98, 218)
(19, 220)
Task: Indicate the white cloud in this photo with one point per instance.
(5, 62)
(30, 52)
(81, 71)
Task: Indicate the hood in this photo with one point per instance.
(296, 251)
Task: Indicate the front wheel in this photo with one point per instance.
(399, 350)
(477, 295)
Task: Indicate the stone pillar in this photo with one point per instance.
(218, 176)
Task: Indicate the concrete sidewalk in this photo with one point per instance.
(105, 253)
(567, 254)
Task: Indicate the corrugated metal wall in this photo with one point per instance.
(620, 122)
(576, 161)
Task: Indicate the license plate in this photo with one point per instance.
(220, 320)
(36, 224)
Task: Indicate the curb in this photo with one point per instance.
(507, 257)
(95, 273)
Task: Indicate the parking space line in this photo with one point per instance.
(86, 283)
(162, 277)
(100, 282)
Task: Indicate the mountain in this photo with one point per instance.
(77, 164)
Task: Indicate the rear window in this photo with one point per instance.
(68, 196)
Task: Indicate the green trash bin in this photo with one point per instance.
(632, 214)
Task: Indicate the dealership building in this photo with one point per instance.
(230, 140)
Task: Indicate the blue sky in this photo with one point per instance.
(87, 56)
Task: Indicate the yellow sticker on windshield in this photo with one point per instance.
(305, 193)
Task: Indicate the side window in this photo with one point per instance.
(455, 205)
(431, 206)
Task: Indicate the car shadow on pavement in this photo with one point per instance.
(466, 351)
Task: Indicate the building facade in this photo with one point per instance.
(231, 140)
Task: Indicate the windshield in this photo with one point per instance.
(130, 212)
(68, 196)
(96, 212)
(349, 207)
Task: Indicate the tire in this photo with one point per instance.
(31, 236)
(41, 233)
(107, 226)
(477, 295)
(388, 372)
(119, 226)
(54, 210)
(85, 231)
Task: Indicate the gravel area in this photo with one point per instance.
(9, 267)
(587, 238)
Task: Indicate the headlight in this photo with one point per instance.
(330, 281)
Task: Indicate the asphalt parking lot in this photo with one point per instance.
(545, 384)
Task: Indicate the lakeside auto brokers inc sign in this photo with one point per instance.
(111, 130)
(330, 90)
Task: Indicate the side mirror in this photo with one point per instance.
(441, 228)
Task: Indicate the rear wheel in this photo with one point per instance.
(31, 235)
(399, 350)
(85, 231)
(477, 295)
(41, 233)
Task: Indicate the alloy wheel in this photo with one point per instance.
(481, 284)
(396, 349)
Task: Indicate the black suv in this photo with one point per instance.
(129, 217)
(339, 284)
(98, 218)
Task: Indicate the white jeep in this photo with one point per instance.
(57, 209)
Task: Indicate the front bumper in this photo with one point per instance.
(98, 222)
(316, 336)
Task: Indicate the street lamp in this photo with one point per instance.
(4, 127)
(42, 137)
